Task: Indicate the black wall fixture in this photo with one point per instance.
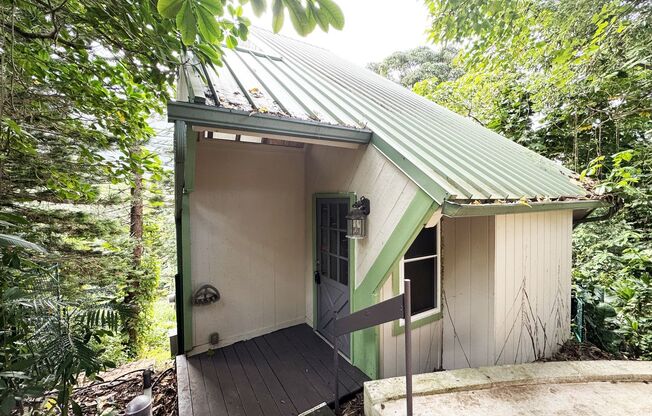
(205, 295)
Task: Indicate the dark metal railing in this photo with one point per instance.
(392, 309)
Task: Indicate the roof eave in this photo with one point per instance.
(453, 209)
(227, 119)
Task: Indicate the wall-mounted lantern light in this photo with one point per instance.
(356, 221)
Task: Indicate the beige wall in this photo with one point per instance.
(505, 279)
(366, 172)
(247, 239)
(467, 291)
(533, 285)
(505, 295)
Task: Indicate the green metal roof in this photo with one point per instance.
(447, 155)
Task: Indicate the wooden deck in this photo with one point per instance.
(283, 373)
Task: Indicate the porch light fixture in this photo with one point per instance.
(356, 221)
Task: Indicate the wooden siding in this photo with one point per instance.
(533, 284)
(506, 287)
(426, 344)
(247, 238)
(367, 173)
(467, 291)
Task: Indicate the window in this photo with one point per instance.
(420, 264)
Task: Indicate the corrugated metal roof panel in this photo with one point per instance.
(456, 156)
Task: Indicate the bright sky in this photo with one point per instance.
(373, 29)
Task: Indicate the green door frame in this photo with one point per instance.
(352, 198)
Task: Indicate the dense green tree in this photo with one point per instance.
(414, 65)
(79, 81)
(571, 80)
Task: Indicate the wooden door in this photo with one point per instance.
(332, 272)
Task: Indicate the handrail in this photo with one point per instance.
(398, 307)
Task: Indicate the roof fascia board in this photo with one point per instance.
(453, 209)
(208, 116)
(321, 142)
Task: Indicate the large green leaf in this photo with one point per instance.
(187, 24)
(332, 12)
(258, 6)
(214, 6)
(169, 8)
(320, 18)
(278, 15)
(8, 240)
(298, 17)
(208, 26)
(12, 218)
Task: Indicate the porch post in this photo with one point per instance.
(407, 308)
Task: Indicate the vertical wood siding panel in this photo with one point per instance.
(448, 284)
(499, 287)
(538, 248)
(479, 290)
(462, 293)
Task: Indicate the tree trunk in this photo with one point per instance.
(136, 234)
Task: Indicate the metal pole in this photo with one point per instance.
(336, 356)
(407, 308)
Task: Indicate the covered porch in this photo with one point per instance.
(285, 372)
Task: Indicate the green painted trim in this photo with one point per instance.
(397, 329)
(352, 198)
(395, 272)
(189, 163)
(366, 343)
(415, 173)
(453, 209)
(210, 116)
(186, 272)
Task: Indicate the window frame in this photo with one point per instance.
(401, 276)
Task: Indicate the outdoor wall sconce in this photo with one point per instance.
(356, 221)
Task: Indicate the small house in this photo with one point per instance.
(275, 147)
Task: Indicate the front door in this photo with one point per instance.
(332, 266)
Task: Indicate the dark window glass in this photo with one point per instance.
(344, 272)
(423, 282)
(343, 212)
(344, 245)
(333, 242)
(333, 267)
(323, 220)
(324, 239)
(333, 216)
(323, 263)
(424, 244)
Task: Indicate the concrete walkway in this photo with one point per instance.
(556, 388)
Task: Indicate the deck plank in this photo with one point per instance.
(282, 373)
(229, 390)
(283, 402)
(183, 387)
(321, 346)
(263, 395)
(197, 387)
(298, 388)
(216, 404)
(247, 396)
(280, 343)
(321, 362)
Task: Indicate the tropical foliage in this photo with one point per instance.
(571, 80)
(418, 64)
(81, 173)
